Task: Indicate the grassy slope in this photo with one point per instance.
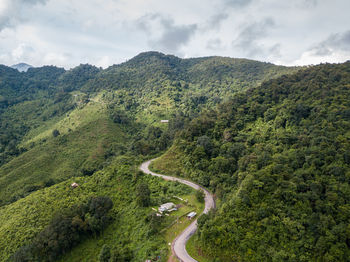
(128, 225)
(169, 163)
(91, 137)
(22, 220)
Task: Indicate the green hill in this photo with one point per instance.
(277, 157)
(94, 127)
(129, 231)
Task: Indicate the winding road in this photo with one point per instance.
(178, 246)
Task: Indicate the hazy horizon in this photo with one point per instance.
(68, 68)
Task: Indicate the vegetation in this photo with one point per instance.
(130, 232)
(66, 230)
(277, 158)
(272, 147)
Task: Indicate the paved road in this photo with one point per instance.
(179, 244)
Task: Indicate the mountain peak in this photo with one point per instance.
(21, 67)
(153, 55)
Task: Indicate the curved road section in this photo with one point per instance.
(179, 244)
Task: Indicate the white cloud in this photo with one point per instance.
(12, 12)
(22, 52)
(67, 33)
(104, 61)
(309, 58)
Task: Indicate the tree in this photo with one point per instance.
(205, 142)
(143, 195)
(154, 222)
(55, 133)
(105, 254)
(200, 196)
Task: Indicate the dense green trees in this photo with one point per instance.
(105, 254)
(143, 195)
(277, 157)
(66, 230)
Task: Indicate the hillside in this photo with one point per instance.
(277, 157)
(151, 86)
(133, 95)
(161, 85)
(129, 230)
(95, 126)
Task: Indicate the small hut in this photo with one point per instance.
(74, 185)
(191, 215)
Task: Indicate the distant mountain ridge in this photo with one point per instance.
(21, 67)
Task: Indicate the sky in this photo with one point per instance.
(67, 33)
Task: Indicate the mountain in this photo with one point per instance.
(270, 142)
(277, 157)
(21, 67)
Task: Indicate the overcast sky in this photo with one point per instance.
(105, 32)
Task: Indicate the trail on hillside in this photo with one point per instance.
(178, 246)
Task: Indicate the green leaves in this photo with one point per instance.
(278, 162)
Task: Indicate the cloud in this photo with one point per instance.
(307, 3)
(22, 52)
(12, 11)
(216, 20)
(334, 43)
(237, 3)
(335, 48)
(214, 44)
(164, 35)
(67, 33)
(248, 39)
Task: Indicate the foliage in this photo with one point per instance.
(143, 195)
(278, 162)
(129, 231)
(200, 196)
(62, 157)
(105, 254)
(66, 230)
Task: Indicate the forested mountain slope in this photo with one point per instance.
(277, 157)
(94, 126)
(89, 104)
(157, 85)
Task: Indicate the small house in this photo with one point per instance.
(74, 185)
(191, 215)
(164, 121)
(166, 207)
